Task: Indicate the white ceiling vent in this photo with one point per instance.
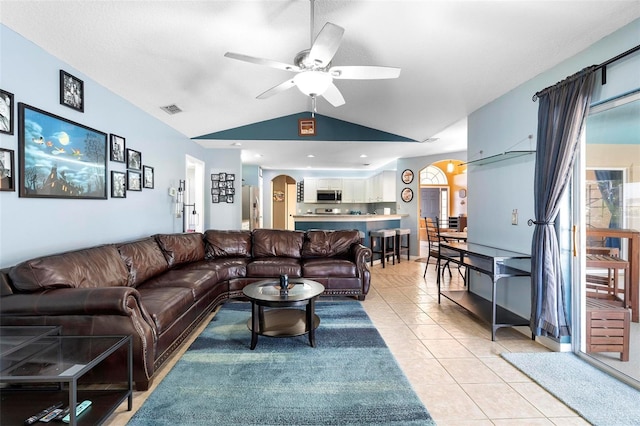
(171, 109)
(430, 140)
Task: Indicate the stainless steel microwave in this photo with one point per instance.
(329, 196)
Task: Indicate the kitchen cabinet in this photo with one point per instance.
(329, 184)
(310, 190)
(353, 191)
(382, 187)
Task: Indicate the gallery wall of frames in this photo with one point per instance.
(60, 158)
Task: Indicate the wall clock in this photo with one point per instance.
(407, 176)
(407, 195)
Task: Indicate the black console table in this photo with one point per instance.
(493, 262)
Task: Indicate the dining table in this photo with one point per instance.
(454, 235)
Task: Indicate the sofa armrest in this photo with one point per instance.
(361, 254)
(74, 301)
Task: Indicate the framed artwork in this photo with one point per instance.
(60, 158)
(215, 198)
(134, 181)
(6, 112)
(307, 127)
(71, 91)
(118, 184)
(222, 189)
(278, 196)
(407, 176)
(407, 195)
(229, 198)
(147, 174)
(215, 177)
(134, 159)
(117, 148)
(7, 167)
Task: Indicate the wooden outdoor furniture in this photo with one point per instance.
(608, 327)
(633, 256)
(608, 287)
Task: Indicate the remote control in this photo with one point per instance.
(79, 409)
(64, 413)
(52, 415)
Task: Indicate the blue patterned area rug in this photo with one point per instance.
(599, 398)
(349, 378)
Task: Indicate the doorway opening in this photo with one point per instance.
(283, 204)
(193, 217)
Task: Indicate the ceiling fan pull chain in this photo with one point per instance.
(313, 111)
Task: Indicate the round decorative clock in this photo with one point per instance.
(407, 195)
(407, 176)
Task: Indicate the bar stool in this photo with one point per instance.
(402, 243)
(385, 239)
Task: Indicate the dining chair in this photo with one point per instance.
(433, 239)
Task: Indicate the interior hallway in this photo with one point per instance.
(447, 355)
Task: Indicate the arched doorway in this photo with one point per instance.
(283, 202)
(442, 194)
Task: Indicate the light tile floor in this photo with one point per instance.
(447, 355)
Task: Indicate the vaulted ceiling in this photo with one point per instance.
(455, 57)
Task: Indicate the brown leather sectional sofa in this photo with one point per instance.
(157, 289)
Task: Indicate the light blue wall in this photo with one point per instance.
(31, 227)
(496, 189)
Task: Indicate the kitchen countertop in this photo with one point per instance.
(312, 217)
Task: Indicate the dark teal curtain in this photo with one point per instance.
(561, 114)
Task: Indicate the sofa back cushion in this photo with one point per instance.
(277, 243)
(319, 243)
(144, 259)
(99, 266)
(227, 243)
(181, 248)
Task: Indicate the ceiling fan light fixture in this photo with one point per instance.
(312, 83)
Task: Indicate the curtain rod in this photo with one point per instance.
(602, 67)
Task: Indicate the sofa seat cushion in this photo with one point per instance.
(181, 248)
(328, 267)
(199, 281)
(99, 266)
(274, 267)
(165, 305)
(277, 243)
(227, 243)
(144, 259)
(320, 243)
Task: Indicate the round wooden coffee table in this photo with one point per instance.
(281, 321)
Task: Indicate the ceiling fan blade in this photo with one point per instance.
(364, 72)
(333, 96)
(276, 89)
(261, 61)
(326, 44)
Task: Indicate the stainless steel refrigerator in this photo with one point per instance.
(251, 214)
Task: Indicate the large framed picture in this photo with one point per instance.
(118, 147)
(134, 159)
(6, 112)
(60, 158)
(7, 175)
(148, 178)
(71, 91)
(118, 184)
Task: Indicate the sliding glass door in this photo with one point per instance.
(609, 233)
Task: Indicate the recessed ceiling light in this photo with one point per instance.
(236, 144)
(171, 109)
(363, 156)
(310, 156)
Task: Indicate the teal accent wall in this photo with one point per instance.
(286, 128)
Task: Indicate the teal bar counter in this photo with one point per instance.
(363, 223)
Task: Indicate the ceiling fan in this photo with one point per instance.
(314, 71)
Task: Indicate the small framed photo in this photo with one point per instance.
(215, 198)
(7, 175)
(118, 185)
(223, 191)
(229, 184)
(222, 176)
(229, 198)
(231, 191)
(215, 191)
(215, 177)
(134, 181)
(117, 148)
(307, 127)
(215, 184)
(231, 176)
(6, 112)
(134, 159)
(71, 91)
(147, 174)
